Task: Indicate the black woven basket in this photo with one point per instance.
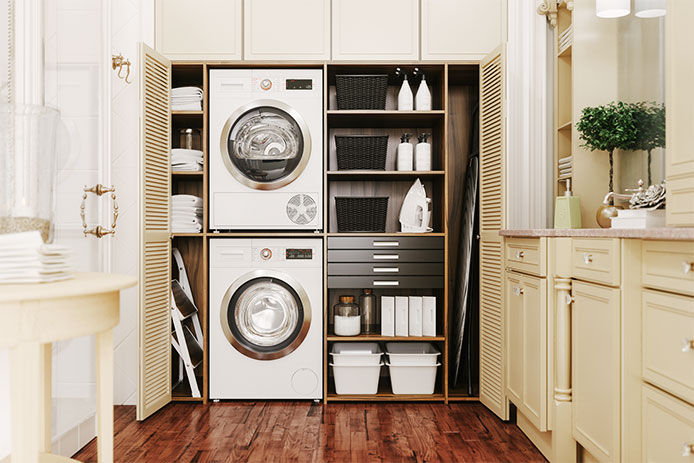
(361, 214)
(356, 152)
(365, 91)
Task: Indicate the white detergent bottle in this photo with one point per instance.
(423, 99)
(405, 98)
(404, 160)
(422, 153)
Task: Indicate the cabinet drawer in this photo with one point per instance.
(668, 342)
(385, 269)
(528, 255)
(385, 282)
(371, 242)
(596, 260)
(669, 265)
(667, 427)
(407, 255)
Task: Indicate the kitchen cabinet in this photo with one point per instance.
(207, 29)
(282, 30)
(380, 30)
(526, 305)
(595, 361)
(461, 29)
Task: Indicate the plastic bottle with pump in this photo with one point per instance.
(404, 161)
(422, 153)
(422, 101)
(405, 99)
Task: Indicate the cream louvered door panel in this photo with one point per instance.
(492, 359)
(154, 335)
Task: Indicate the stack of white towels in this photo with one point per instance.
(186, 99)
(565, 167)
(186, 214)
(25, 258)
(566, 38)
(186, 160)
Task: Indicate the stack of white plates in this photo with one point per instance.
(186, 214)
(186, 160)
(24, 258)
(186, 99)
(565, 167)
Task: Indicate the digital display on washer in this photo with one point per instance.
(299, 254)
(299, 84)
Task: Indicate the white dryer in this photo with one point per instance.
(266, 319)
(266, 149)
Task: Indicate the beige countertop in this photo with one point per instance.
(666, 233)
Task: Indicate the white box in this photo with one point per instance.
(429, 316)
(387, 316)
(415, 315)
(356, 379)
(639, 218)
(401, 316)
(413, 379)
(412, 353)
(356, 353)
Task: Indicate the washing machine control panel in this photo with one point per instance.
(299, 254)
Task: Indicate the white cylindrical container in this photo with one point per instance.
(405, 98)
(422, 156)
(347, 325)
(405, 159)
(422, 101)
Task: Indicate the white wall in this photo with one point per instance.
(529, 89)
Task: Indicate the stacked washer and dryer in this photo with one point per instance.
(266, 174)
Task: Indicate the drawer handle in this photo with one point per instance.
(569, 299)
(386, 269)
(386, 256)
(520, 254)
(587, 258)
(517, 291)
(687, 267)
(386, 283)
(687, 345)
(386, 244)
(687, 449)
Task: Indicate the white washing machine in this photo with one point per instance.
(266, 149)
(266, 318)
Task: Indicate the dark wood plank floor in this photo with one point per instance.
(304, 431)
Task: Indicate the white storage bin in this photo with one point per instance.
(356, 379)
(412, 353)
(413, 379)
(356, 353)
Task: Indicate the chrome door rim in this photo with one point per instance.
(237, 174)
(224, 314)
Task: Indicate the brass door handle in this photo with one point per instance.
(98, 230)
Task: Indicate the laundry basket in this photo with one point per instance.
(365, 214)
(356, 152)
(364, 91)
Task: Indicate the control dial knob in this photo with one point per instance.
(266, 84)
(265, 253)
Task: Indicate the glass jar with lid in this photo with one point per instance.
(347, 320)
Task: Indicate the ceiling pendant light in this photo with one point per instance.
(649, 8)
(612, 8)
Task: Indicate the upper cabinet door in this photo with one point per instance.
(206, 29)
(375, 29)
(461, 29)
(283, 30)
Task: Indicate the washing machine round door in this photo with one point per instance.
(266, 144)
(265, 315)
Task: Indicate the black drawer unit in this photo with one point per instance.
(407, 262)
(371, 242)
(384, 269)
(385, 282)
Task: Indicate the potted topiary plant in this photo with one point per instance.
(650, 123)
(607, 128)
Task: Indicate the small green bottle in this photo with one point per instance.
(567, 211)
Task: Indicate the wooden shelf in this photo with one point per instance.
(566, 51)
(463, 398)
(382, 174)
(565, 125)
(386, 234)
(384, 394)
(265, 234)
(384, 118)
(378, 337)
(186, 173)
(187, 235)
(187, 113)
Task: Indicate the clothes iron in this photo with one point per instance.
(415, 213)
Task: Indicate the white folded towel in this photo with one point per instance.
(186, 91)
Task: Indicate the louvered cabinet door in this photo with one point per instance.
(492, 359)
(154, 333)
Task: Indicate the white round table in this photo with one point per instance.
(36, 315)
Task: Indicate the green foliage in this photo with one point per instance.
(650, 123)
(609, 127)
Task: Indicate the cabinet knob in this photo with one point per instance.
(687, 345)
(687, 449)
(518, 291)
(687, 267)
(569, 299)
(520, 254)
(587, 258)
